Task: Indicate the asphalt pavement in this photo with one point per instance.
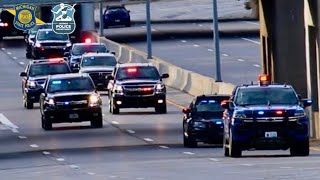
(137, 144)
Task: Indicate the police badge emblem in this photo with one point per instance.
(63, 21)
(25, 17)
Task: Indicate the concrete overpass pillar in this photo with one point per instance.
(87, 19)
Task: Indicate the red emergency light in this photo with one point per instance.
(132, 70)
(264, 79)
(88, 40)
(279, 112)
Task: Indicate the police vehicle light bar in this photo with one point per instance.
(132, 70)
(88, 40)
(264, 79)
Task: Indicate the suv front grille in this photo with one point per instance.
(53, 44)
(99, 75)
(139, 90)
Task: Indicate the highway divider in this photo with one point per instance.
(181, 79)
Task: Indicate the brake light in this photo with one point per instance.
(88, 40)
(56, 59)
(264, 79)
(132, 70)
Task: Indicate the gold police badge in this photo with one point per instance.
(25, 18)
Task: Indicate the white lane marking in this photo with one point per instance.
(91, 173)
(148, 139)
(184, 41)
(241, 60)
(22, 63)
(114, 122)
(140, 178)
(256, 65)
(9, 53)
(210, 50)
(286, 167)
(246, 164)
(74, 166)
(225, 55)
(46, 153)
(131, 131)
(252, 22)
(143, 26)
(213, 159)
(3, 49)
(196, 45)
(14, 57)
(200, 25)
(250, 40)
(189, 153)
(153, 29)
(164, 147)
(22, 137)
(34, 146)
(60, 159)
(113, 176)
(8, 123)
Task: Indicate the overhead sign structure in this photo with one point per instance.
(63, 21)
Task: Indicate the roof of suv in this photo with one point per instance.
(98, 54)
(136, 65)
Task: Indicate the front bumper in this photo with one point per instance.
(270, 135)
(116, 22)
(47, 52)
(33, 95)
(139, 101)
(212, 133)
(73, 115)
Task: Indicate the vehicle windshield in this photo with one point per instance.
(51, 35)
(35, 29)
(209, 105)
(138, 73)
(99, 61)
(259, 96)
(81, 49)
(48, 69)
(117, 11)
(70, 84)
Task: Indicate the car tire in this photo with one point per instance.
(300, 148)
(97, 123)
(225, 147)
(128, 24)
(46, 125)
(27, 104)
(114, 108)
(234, 147)
(161, 109)
(189, 142)
(28, 55)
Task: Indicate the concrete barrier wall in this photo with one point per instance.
(184, 80)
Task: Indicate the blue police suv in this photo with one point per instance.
(265, 116)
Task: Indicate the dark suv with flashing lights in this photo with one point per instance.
(136, 85)
(70, 98)
(35, 75)
(202, 120)
(265, 116)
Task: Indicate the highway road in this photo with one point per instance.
(137, 144)
(240, 56)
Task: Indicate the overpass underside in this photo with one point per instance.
(290, 47)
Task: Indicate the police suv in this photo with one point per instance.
(265, 116)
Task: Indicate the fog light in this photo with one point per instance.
(119, 102)
(51, 117)
(160, 101)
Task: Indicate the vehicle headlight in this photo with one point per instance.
(159, 87)
(94, 100)
(118, 89)
(69, 44)
(31, 84)
(299, 113)
(199, 124)
(38, 45)
(239, 114)
(51, 102)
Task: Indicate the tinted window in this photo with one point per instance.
(70, 84)
(81, 49)
(50, 35)
(138, 73)
(117, 11)
(35, 29)
(99, 61)
(252, 96)
(48, 69)
(209, 104)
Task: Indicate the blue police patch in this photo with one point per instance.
(25, 18)
(63, 21)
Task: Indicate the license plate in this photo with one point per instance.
(73, 116)
(271, 134)
(53, 47)
(117, 20)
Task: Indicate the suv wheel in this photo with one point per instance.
(189, 142)
(225, 147)
(98, 122)
(300, 148)
(162, 109)
(234, 147)
(114, 108)
(46, 125)
(27, 104)
(28, 54)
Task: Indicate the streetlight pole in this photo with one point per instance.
(148, 30)
(216, 41)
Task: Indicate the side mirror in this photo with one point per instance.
(66, 54)
(33, 39)
(110, 77)
(164, 76)
(186, 110)
(112, 52)
(225, 104)
(23, 74)
(128, 11)
(306, 102)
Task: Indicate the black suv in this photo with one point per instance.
(6, 25)
(35, 75)
(78, 49)
(116, 15)
(202, 120)
(70, 98)
(30, 36)
(265, 116)
(136, 85)
(99, 66)
(48, 44)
